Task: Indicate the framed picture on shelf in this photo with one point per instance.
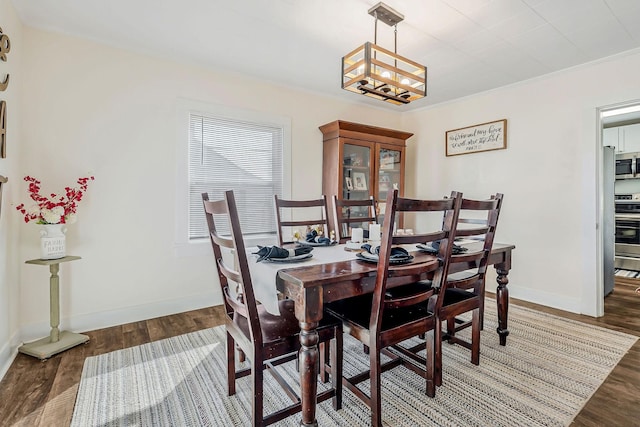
(396, 157)
(382, 207)
(348, 183)
(385, 182)
(356, 159)
(389, 159)
(386, 159)
(360, 181)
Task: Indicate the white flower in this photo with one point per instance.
(71, 218)
(52, 216)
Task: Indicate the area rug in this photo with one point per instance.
(548, 370)
(629, 274)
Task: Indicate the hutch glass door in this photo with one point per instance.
(389, 177)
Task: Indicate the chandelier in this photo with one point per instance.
(379, 73)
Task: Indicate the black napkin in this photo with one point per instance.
(312, 237)
(396, 252)
(269, 252)
(455, 250)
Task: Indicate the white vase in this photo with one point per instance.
(53, 241)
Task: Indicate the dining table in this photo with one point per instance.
(334, 273)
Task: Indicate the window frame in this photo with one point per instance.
(184, 246)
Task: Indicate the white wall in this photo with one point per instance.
(9, 167)
(94, 109)
(547, 173)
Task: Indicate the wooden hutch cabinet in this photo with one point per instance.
(360, 161)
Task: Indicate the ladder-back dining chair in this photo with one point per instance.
(266, 339)
(352, 213)
(465, 291)
(301, 214)
(381, 321)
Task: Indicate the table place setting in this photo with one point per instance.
(433, 247)
(398, 255)
(313, 238)
(278, 254)
(302, 250)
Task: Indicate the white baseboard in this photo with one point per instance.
(8, 353)
(105, 319)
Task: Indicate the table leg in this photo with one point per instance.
(502, 300)
(308, 372)
(54, 302)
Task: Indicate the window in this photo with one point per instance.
(230, 150)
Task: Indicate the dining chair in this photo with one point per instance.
(352, 213)
(309, 212)
(267, 340)
(381, 321)
(465, 291)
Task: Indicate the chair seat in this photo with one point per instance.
(456, 295)
(357, 310)
(283, 327)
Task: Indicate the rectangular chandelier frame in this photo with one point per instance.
(381, 74)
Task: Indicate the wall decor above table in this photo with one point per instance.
(473, 139)
(5, 47)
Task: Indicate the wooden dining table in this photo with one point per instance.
(313, 286)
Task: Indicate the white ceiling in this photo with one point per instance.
(468, 46)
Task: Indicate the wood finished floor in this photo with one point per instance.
(35, 393)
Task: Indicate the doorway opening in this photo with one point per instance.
(619, 200)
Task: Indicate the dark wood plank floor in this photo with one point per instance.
(35, 393)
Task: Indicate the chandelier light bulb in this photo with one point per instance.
(386, 75)
(405, 82)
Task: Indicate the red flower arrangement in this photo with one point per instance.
(53, 209)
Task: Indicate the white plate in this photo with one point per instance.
(456, 250)
(426, 248)
(296, 258)
(314, 244)
(369, 257)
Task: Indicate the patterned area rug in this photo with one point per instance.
(629, 274)
(543, 377)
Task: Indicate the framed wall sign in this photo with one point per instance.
(483, 137)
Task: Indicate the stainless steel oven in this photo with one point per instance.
(627, 228)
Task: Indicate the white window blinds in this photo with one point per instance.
(228, 154)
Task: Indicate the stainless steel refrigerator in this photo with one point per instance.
(609, 220)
